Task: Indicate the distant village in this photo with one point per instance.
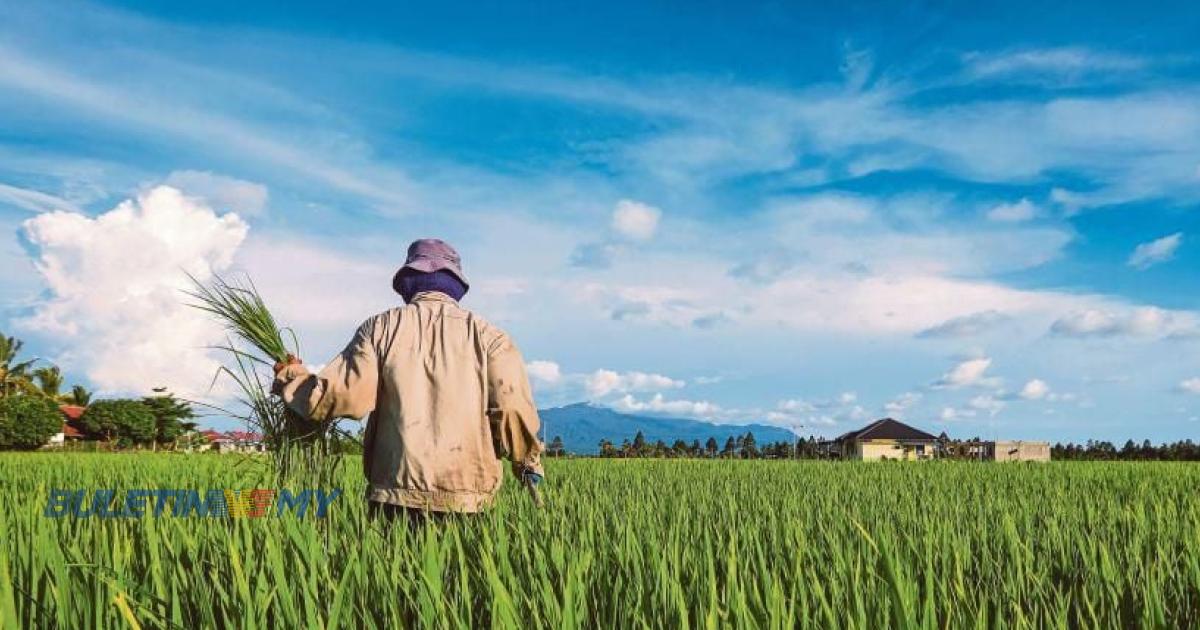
(883, 440)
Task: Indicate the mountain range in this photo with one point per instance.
(583, 425)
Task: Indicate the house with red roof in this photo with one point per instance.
(234, 441)
(72, 428)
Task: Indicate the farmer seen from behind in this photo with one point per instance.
(446, 392)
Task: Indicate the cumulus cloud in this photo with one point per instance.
(986, 403)
(604, 382)
(969, 373)
(544, 372)
(1023, 210)
(115, 285)
(598, 384)
(798, 412)
(950, 414)
(635, 220)
(658, 404)
(1034, 389)
(632, 221)
(1191, 385)
(1159, 250)
(1138, 322)
(221, 192)
(902, 403)
(965, 326)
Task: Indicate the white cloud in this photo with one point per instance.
(544, 372)
(1018, 212)
(1191, 385)
(351, 288)
(221, 192)
(33, 200)
(950, 414)
(1035, 389)
(190, 116)
(604, 382)
(631, 221)
(673, 306)
(1143, 321)
(798, 412)
(902, 403)
(115, 287)
(1062, 63)
(969, 373)
(635, 220)
(1159, 250)
(658, 404)
(987, 404)
(795, 405)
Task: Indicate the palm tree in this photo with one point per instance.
(79, 396)
(14, 375)
(49, 381)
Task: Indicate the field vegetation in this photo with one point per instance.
(624, 543)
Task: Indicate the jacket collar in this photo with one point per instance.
(433, 296)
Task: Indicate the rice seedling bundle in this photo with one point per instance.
(297, 445)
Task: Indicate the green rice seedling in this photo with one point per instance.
(299, 447)
(626, 544)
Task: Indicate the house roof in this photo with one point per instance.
(69, 431)
(72, 412)
(887, 429)
(232, 436)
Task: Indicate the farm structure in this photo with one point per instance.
(883, 440)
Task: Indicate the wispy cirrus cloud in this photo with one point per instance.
(33, 200)
(1068, 63)
(1157, 251)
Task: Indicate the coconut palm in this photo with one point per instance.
(14, 374)
(49, 380)
(79, 396)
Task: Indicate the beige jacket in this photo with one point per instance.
(447, 396)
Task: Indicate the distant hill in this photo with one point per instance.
(582, 426)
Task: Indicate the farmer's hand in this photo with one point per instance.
(532, 478)
(290, 360)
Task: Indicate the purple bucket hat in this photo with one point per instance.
(428, 255)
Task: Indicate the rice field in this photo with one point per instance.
(624, 544)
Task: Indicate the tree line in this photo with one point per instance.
(743, 446)
(1179, 451)
(31, 396)
(746, 447)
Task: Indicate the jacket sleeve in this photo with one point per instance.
(345, 388)
(511, 410)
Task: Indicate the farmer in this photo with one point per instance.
(446, 392)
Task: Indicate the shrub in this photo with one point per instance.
(127, 421)
(28, 422)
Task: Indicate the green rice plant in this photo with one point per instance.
(625, 544)
(298, 446)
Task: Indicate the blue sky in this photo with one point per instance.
(979, 219)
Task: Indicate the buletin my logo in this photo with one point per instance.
(215, 503)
